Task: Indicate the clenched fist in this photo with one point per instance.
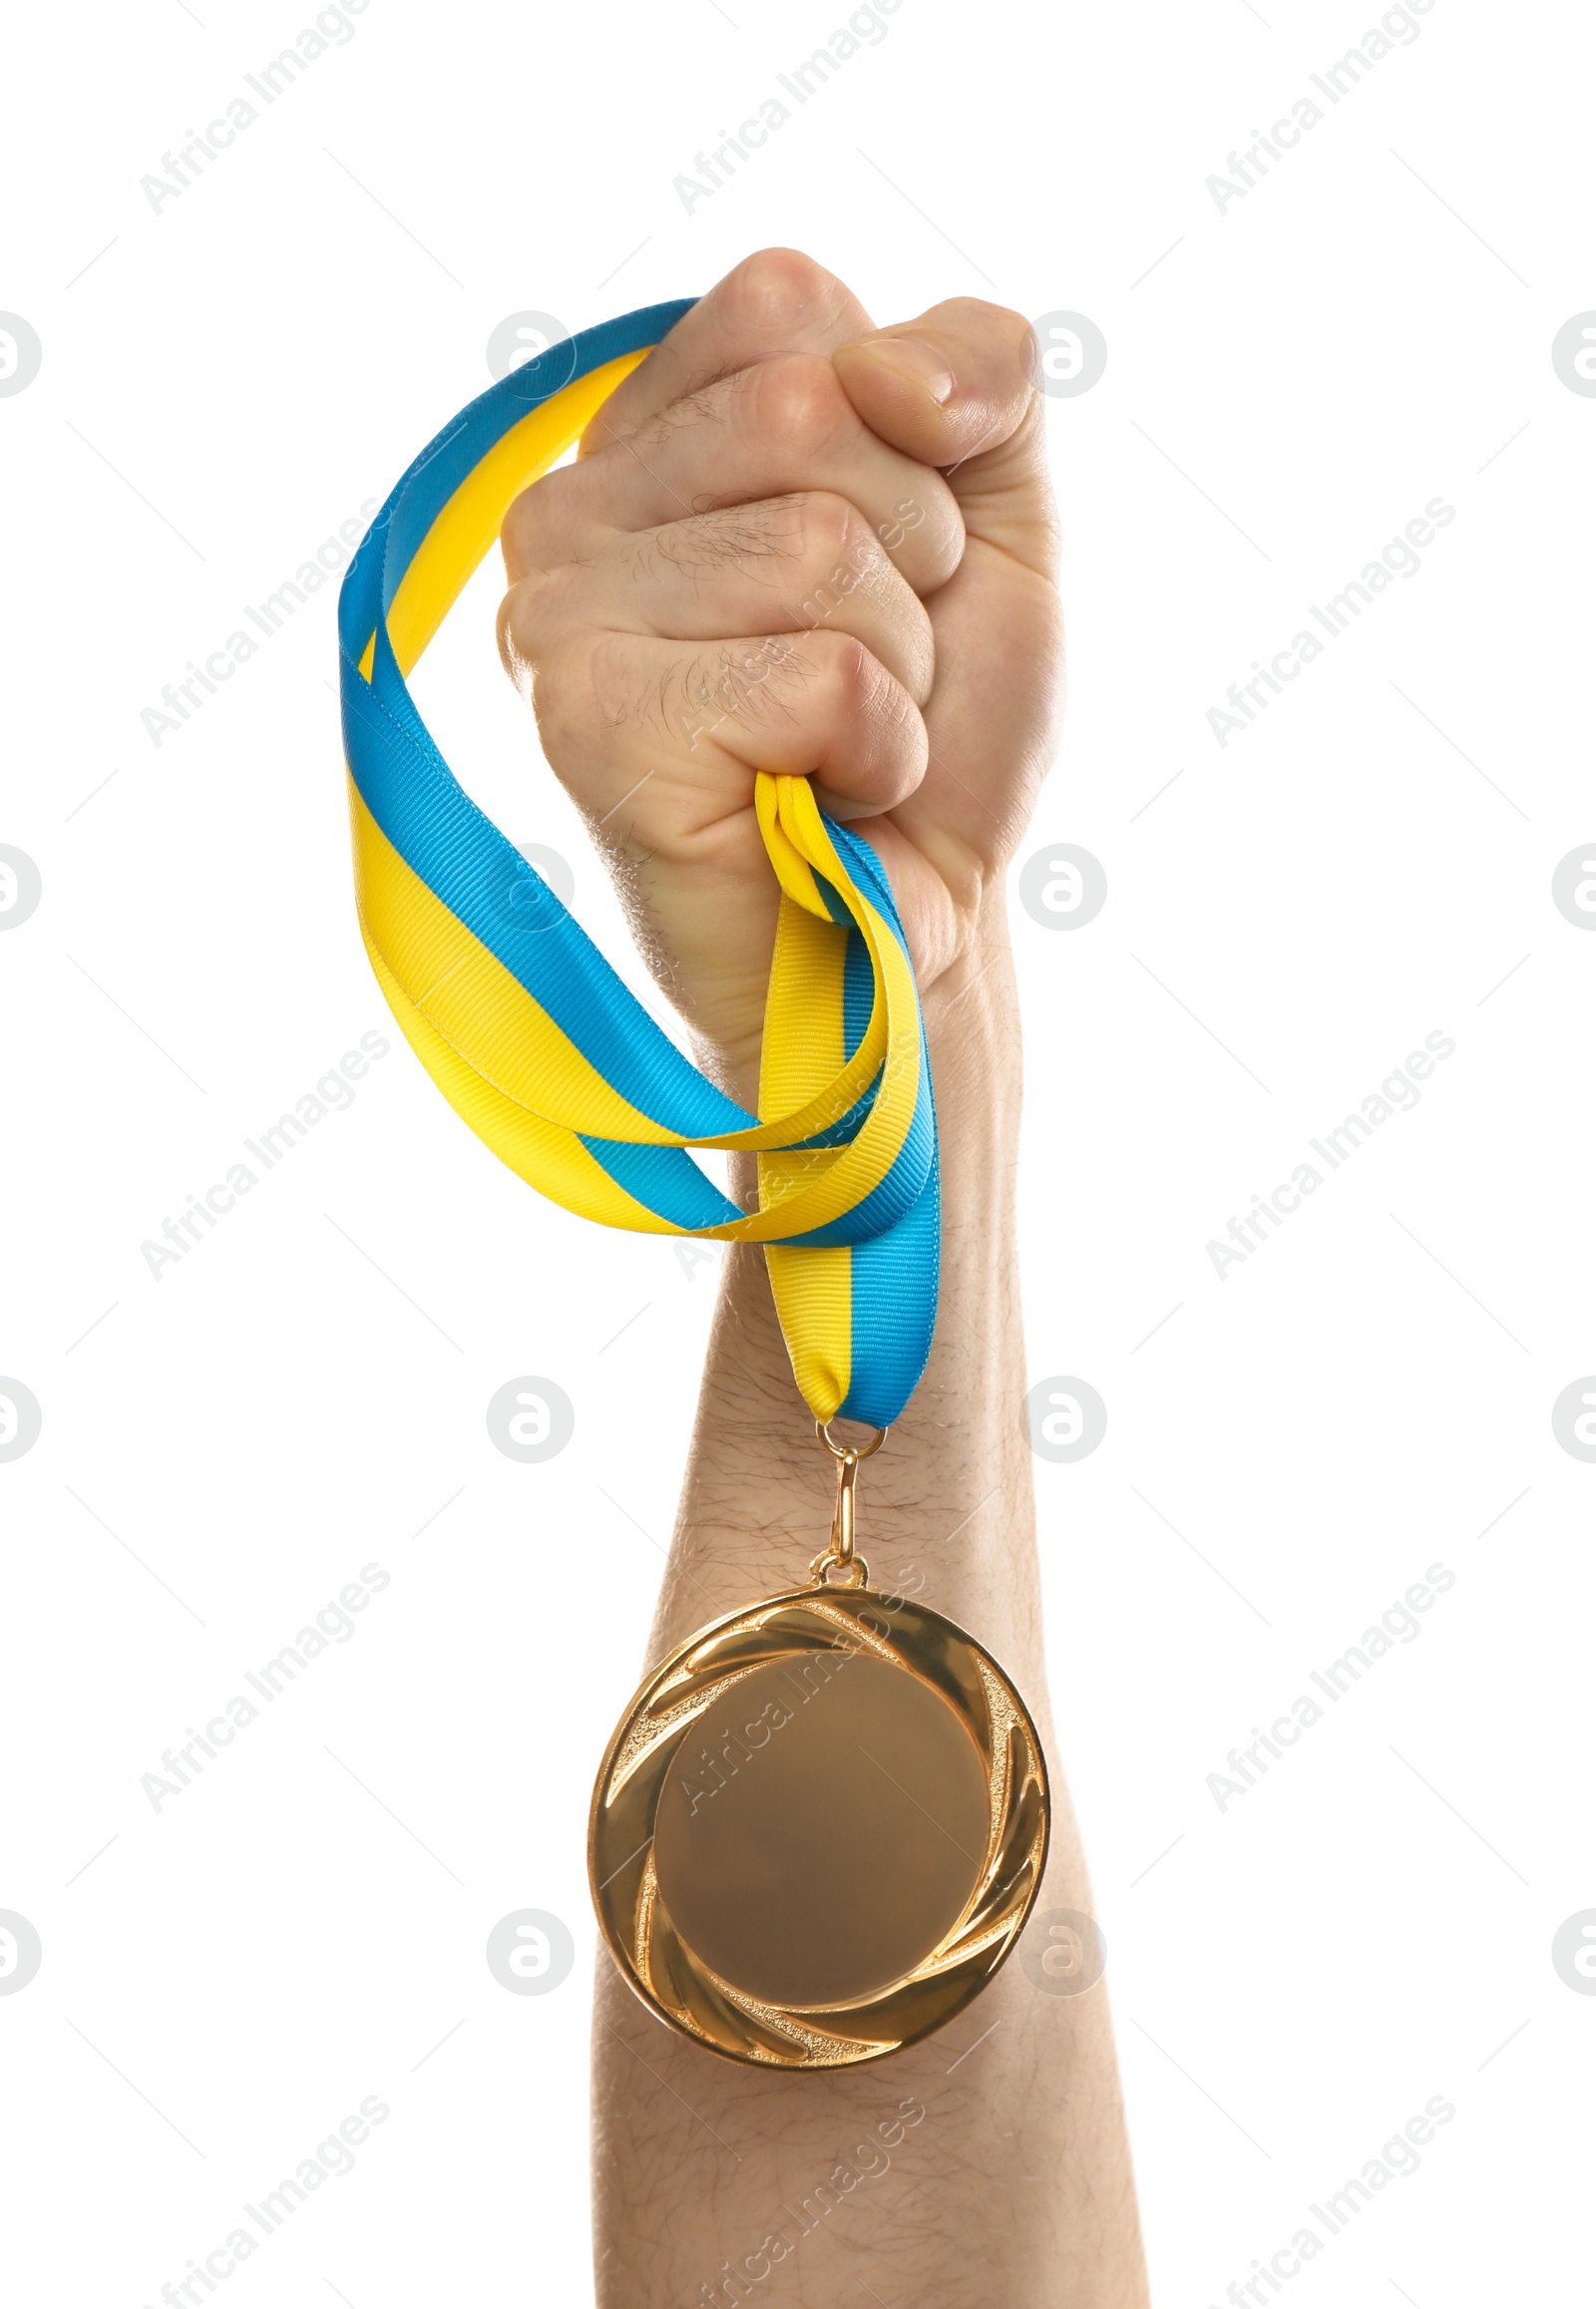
(794, 542)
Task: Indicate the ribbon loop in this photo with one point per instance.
(528, 1030)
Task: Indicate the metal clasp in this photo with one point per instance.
(838, 1553)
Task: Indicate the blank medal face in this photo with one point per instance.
(819, 1829)
(826, 1830)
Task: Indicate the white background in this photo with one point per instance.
(224, 1448)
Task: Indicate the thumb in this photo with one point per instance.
(954, 389)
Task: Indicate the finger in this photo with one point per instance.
(658, 742)
(784, 565)
(776, 429)
(993, 721)
(776, 301)
(954, 389)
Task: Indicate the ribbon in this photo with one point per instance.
(527, 1029)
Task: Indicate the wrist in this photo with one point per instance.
(971, 1014)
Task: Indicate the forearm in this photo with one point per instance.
(1017, 2170)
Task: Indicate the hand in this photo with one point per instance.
(794, 543)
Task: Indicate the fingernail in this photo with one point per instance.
(917, 360)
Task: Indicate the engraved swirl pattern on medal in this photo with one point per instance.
(652, 1725)
(1008, 1877)
(972, 1932)
(648, 1729)
(1004, 1719)
(648, 1894)
(858, 1633)
(680, 1987)
(961, 1943)
(826, 2051)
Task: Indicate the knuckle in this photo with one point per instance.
(858, 686)
(776, 291)
(834, 532)
(525, 617)
(838, 554)
(529, 528)
(798, 399)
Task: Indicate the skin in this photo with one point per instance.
(678, 616)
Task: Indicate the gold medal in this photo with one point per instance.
(821, 1824)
